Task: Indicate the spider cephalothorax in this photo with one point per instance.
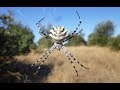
(59, 35)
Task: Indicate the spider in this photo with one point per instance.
(59, 36)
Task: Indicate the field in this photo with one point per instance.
(104, 65)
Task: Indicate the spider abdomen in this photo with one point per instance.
(58, 34)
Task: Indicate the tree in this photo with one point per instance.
(103, 31)
(14, 37)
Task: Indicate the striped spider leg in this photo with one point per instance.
(69, 36)
(70, 56)
(43, 58)
(42, 31)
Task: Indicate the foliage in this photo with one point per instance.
(103, 31)
(114, 43)
(14, 37)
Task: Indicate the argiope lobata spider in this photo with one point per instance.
(58, 36)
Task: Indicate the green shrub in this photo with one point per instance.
(103, 31)
(114, 43)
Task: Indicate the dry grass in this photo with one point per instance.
(104, 65)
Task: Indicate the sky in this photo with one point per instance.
(66, 16)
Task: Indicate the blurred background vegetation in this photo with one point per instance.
(17, 39)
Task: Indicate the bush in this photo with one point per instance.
(114, 43)
(103, 31)
(14, 37)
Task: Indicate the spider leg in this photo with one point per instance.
(41, 31)
(71, 36)
(66, 53)
(45, 54)
(74, 32)
(43, 58)
(77, 25)
(75, 59)
(78, 61)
